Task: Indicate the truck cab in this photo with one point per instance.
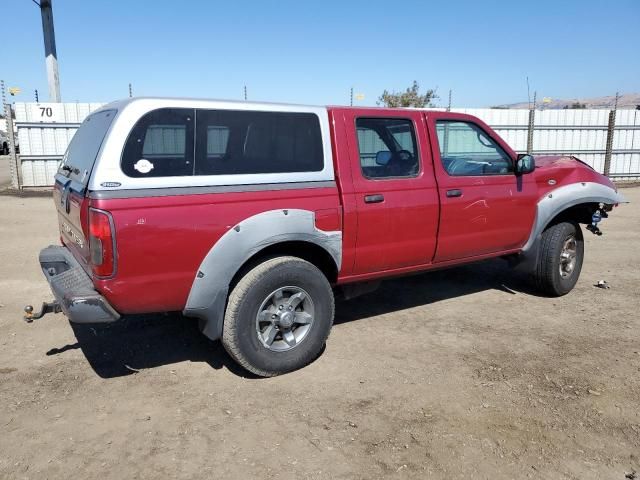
(250, 216)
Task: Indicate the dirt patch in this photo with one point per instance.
(464, 373)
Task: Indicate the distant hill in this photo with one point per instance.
(626, 101)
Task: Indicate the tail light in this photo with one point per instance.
(101, 243)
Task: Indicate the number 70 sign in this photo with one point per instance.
(46, 112)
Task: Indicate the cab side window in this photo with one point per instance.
(387, 148)
(466, 150)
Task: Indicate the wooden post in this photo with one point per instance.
(609, 148)
(532, 119)
(13, 157)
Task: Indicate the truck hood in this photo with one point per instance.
(564, 169)
(559, 162)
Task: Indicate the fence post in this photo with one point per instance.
(532, 117)
(609, 148)
(13, 157)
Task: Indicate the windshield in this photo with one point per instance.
(83, 149)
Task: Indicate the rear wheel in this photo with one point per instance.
(560, 259)
(278, 316)
(5, 149)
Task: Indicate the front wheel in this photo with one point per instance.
(278, 316)
(560, 259)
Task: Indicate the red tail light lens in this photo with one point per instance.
(101, 240)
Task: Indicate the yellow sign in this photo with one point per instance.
(13, 91)
(546, 100)
(359, 96)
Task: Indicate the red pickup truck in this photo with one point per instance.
(249, 216)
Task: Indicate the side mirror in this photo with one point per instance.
(525, 164)
(383, 157)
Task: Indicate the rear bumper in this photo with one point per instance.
(73, 288)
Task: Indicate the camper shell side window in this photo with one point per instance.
(184, 142)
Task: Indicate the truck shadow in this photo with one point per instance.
(140, 342)
(432, 287)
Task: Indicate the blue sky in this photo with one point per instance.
(314, 51)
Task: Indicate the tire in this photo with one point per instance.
(280, 281)
(4, 150)
(555, 274)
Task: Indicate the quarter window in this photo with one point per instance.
(466, 150)
(387, 147)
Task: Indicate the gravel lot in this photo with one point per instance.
(463, 373)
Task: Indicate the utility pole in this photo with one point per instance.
(245, 93)
(37, 99)
(130, 91)
(449, 106)
(351, 97)
(50, 50)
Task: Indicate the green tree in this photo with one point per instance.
(411, 97)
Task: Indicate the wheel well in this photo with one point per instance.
(580, 213)
(308, 251)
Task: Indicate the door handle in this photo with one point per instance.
(456, 192)
(376, 198)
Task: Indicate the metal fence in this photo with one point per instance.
(612, 148)
(609, 141)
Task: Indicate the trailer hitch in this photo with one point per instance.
(52, 307)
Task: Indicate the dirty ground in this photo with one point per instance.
(464, 373)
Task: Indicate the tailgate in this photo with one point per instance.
(73, 207)
(71, 183)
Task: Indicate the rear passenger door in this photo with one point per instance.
(395, 191)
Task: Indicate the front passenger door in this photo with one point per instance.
(485, 208)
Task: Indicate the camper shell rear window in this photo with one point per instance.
(84, 147)
(183, 142)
